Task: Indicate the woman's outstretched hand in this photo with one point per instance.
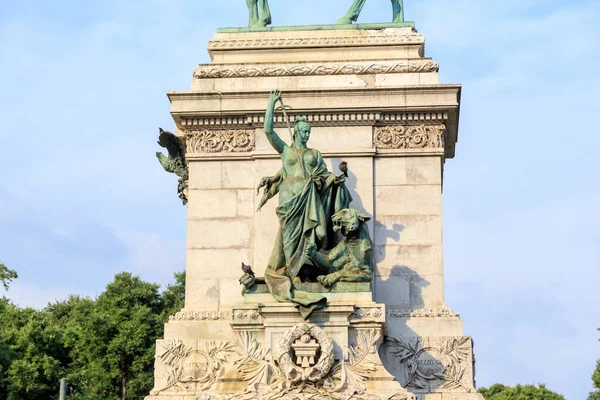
(275, 96)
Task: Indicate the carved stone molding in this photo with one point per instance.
(422, 313)
(205, 315)
(368, 314)
(431, 364)
(245, 71)
(335, 41)
(220, 141)
(409, 137)
(193, 124)
(245, 315)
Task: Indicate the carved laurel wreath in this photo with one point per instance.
(285, 359)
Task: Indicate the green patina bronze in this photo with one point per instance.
(175, 163)
(260, 14)
(357, 6)
(309, 195)
(331, 27)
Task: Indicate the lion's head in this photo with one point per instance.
(348, 220)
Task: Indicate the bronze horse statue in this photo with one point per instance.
(260, 14)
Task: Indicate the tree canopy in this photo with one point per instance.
(595, 395)
(519, 392)
(7, 276)
(104, 346)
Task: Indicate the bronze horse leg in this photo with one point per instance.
(356, 7)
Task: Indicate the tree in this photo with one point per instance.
(519, 392)
(32, 353)
(113, 339)
(7, 276)
(595, 395)
(174, 296)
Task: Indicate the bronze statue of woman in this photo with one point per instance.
(308, 196)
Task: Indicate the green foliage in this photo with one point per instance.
(103, 346)
(519, 392)
(595, 395)
(7, 276)
(174, 296)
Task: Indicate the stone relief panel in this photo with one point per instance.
(431, 364)
(398, 137)
(220, 141)
(242, 71)
(205, 315)
(302, 368)
(187, 368)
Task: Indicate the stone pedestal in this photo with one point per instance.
(374, 100)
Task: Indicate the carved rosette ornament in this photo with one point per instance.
(220, 141)
(396, 137)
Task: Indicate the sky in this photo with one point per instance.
(83, 197)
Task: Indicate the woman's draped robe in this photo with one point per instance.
(304, 219)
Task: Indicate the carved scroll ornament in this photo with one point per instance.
(220, 141)
(409, 137)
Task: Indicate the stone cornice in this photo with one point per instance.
(327, 41)
(314, 69)
(316, 119)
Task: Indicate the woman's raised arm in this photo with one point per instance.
(274, 139)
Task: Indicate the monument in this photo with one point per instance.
(313, 157)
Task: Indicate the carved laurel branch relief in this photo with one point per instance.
(433, 364)
(209, 71)
(409, 137)
(282, 376)
(317, 42)
(186, 368)
(220, 141)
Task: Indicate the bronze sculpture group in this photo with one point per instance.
(313, 207)
(260, 14)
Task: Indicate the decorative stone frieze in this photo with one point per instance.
(220, 141)
(368, 314)
(333, 41)
(245, 315)
(422, 313)
(271, 70)
(409, 137)
(193, 124)
(205, 315)
(431, 364)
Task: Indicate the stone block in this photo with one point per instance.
(424, 326)
(205, 175)
(210, 204)
(394, 290)
(390, 171)
(216, 263)
(231, 292)
(427, 291)
(201, 293)
(408, 260)
(424, 170)
(408, 200)
(246, 205)
(408, 230)
(194, 330)
(238, 174)
(220, 233)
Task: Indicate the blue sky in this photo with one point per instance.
(83, 197)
